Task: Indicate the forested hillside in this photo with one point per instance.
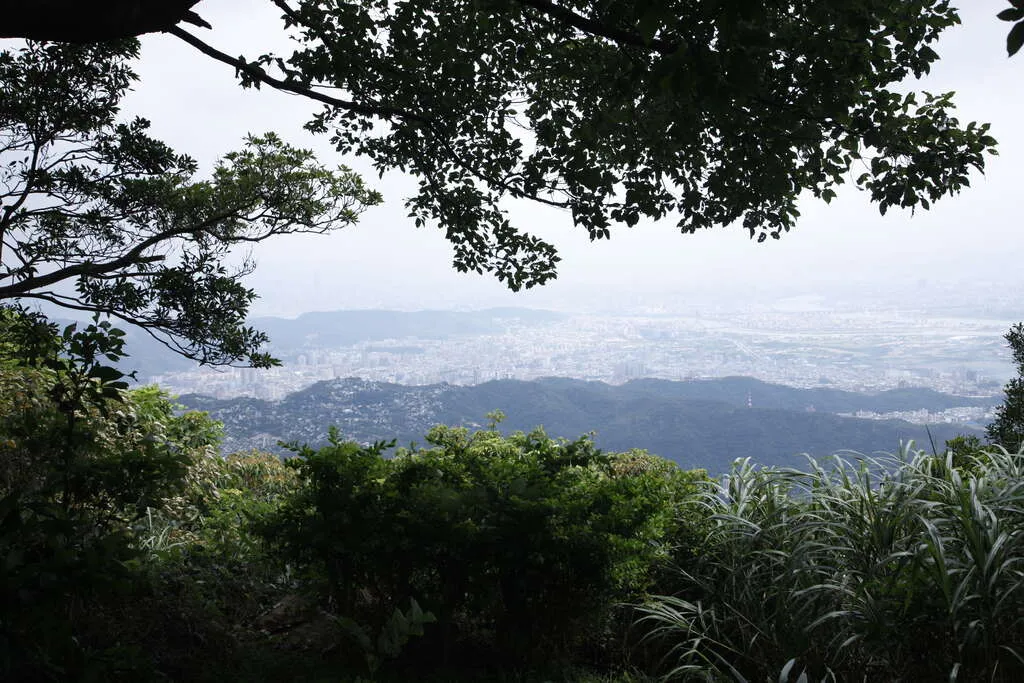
(703, 424)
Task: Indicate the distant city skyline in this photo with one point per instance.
(803, 347)
(196, 106)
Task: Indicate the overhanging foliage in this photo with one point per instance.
(711, 113)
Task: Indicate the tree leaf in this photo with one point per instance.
(1015, 39)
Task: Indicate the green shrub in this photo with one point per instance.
(82, 461)
(522, 546)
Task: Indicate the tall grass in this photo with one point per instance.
(899, 568)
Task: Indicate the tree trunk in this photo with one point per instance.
(90, 21)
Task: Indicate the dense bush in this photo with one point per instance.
(205, 573)
(522, 546)
(908, 569)
(83, 462)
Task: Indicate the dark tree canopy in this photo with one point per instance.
(712, 112)
(97, 216)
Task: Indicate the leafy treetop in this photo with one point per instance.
(97, 216)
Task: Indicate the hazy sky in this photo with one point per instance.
(197, 107)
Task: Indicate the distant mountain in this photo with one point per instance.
(736, 390)
(697, 424)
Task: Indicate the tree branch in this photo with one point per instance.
(288, 11)
(5, 221)
(90, 21)
(621, 36)
(148, 327)
(87, 269)
(261, 76)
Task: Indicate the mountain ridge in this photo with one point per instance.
(670, 419)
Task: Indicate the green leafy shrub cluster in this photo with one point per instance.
(81, 462)
(522, 546)
(205, 572)
(125, 536)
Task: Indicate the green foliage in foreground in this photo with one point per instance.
(132, 550)
(81, 462)
(522, 546)
(902, 570)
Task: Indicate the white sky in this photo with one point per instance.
(197, 107)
